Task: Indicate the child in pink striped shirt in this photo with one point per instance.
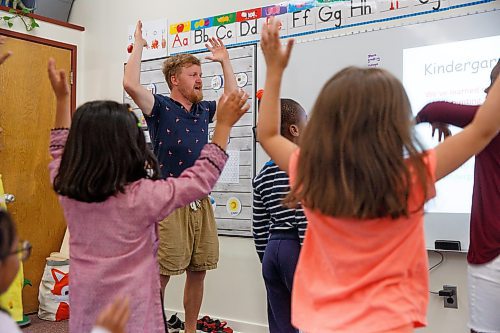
(112, 197)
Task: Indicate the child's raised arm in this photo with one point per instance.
(230, 109)
(268, 127)
(60, 87)
(132, 76)
(455, 150)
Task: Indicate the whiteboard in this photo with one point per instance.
(315, 60)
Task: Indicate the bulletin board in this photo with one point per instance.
(232, 194)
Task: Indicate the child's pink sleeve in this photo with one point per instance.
(164, 196)
(58, 139)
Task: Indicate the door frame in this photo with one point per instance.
(53, 43)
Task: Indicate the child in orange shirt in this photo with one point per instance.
(363, 180)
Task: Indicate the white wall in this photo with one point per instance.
(235, 291)
(453, 271)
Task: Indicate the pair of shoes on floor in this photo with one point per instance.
(207, 324)
(175, 324)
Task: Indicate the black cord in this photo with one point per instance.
(440, 261)
(436, 265)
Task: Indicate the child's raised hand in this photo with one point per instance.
(58, 80)
(61, 89)
(139, 40)
(3, 56)
(276, 55)
(115, 316)
(232, 107)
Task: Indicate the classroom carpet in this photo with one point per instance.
(42, 326)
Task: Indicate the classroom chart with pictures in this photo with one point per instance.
(232, 195)
(301, 19)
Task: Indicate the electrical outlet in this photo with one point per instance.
(451, 301)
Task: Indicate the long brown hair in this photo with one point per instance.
(358, 148)
(105, 151)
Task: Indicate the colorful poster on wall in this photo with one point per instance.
(156, 35)
(201, 31)
(180, 37)
(249, 15)
(274, 10)
(225, 28)
(247, 25)
(298, 18)
(278, 11)
(297, 6)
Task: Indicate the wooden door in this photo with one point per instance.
(27, 111)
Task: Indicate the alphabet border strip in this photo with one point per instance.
(187, 46)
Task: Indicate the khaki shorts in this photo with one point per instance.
(188, 239)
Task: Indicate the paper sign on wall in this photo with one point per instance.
(231, 172)
(180, 37)
(298, 18)
(156, 35)
(233, 206)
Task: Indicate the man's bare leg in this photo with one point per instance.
(193, 296)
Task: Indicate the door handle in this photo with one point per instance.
(9, 198)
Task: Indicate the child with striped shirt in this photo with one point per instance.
(278, 230)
